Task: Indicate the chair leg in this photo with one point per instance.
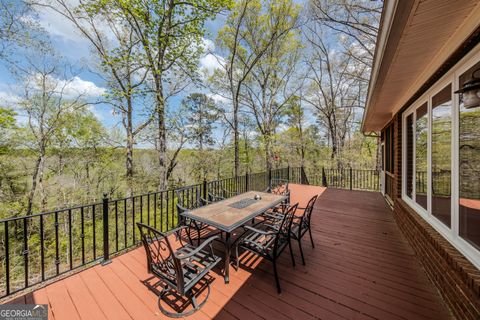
(291, 252)
(237, 262)
(311, 239)
(301, 250)
(275, 273)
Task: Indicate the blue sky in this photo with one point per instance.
(77, 50)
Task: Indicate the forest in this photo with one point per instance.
(190, 91)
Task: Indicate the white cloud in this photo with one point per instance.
(57, 25)
(8, 99)
(210, 62)
(77, 86)
(70, 88)
(218, 98)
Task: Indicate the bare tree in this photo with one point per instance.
(48, 96)
(329, 88)
(272, 84)
(115, 47)
(250, 31)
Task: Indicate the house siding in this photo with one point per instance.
(456, 278)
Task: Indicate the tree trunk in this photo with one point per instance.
(268, 152)
(37, 175)
(162, 145)
(130, 142)
(236, 138)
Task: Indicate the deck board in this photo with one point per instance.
(361, 268)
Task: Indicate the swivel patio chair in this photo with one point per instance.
(179, 270)
(268, 242)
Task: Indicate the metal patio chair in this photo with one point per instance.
(180, 270)
(300, 225)
(189, 198)
(268, 242)
(279, 187)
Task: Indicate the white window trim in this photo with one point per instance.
(450, 234)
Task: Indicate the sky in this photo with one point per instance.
(72, 46)
(68, 42)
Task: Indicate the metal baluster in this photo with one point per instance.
(125, 223)
(94, 234)
(148, 209)
(7, 259)
(133, 220)
(162, 194)
(42, 250)
(155, 211)
(57, 258)
(141, 209)
(70, 249)
(25, 250)
(167, 211)
(82, 236)
(116, 225)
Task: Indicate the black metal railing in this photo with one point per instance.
(347, 178)
(39, 247)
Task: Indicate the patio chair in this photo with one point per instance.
(268, 242)
(229, 193)
(279, 187)
(214, 198)
(179, 270)
(300, 225)
(189, 198)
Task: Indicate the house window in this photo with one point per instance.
(441, 154)
(421, 158)
(469, 170)
(389, 149)
(441, 160)
(409, 157)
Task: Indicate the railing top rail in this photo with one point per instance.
(35, 215)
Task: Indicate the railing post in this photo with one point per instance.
(205, 192)
(288, 173)
(351, 176)
(270, 178)
(324, 178)
(246, 181)
(106, 251)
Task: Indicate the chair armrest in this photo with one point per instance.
(272, 216)
(197, 249)
(175, 230)
(265, 233)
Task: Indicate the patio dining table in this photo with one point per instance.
(232, 213)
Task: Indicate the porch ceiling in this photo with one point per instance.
(416, 38)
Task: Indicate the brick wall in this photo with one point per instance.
(457, 280)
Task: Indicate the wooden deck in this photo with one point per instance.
(361, 268)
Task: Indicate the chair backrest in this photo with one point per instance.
(214, 198)
(283, 232)
(309, 208)
(160, 256)
(279, 186)
(189, 198)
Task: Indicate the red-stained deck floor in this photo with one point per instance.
(361, 268)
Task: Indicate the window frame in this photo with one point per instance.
(450, 234)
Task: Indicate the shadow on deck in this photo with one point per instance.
(361, 268)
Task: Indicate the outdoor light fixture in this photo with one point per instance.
(471, 91)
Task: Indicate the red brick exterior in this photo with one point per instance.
(457, 280)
